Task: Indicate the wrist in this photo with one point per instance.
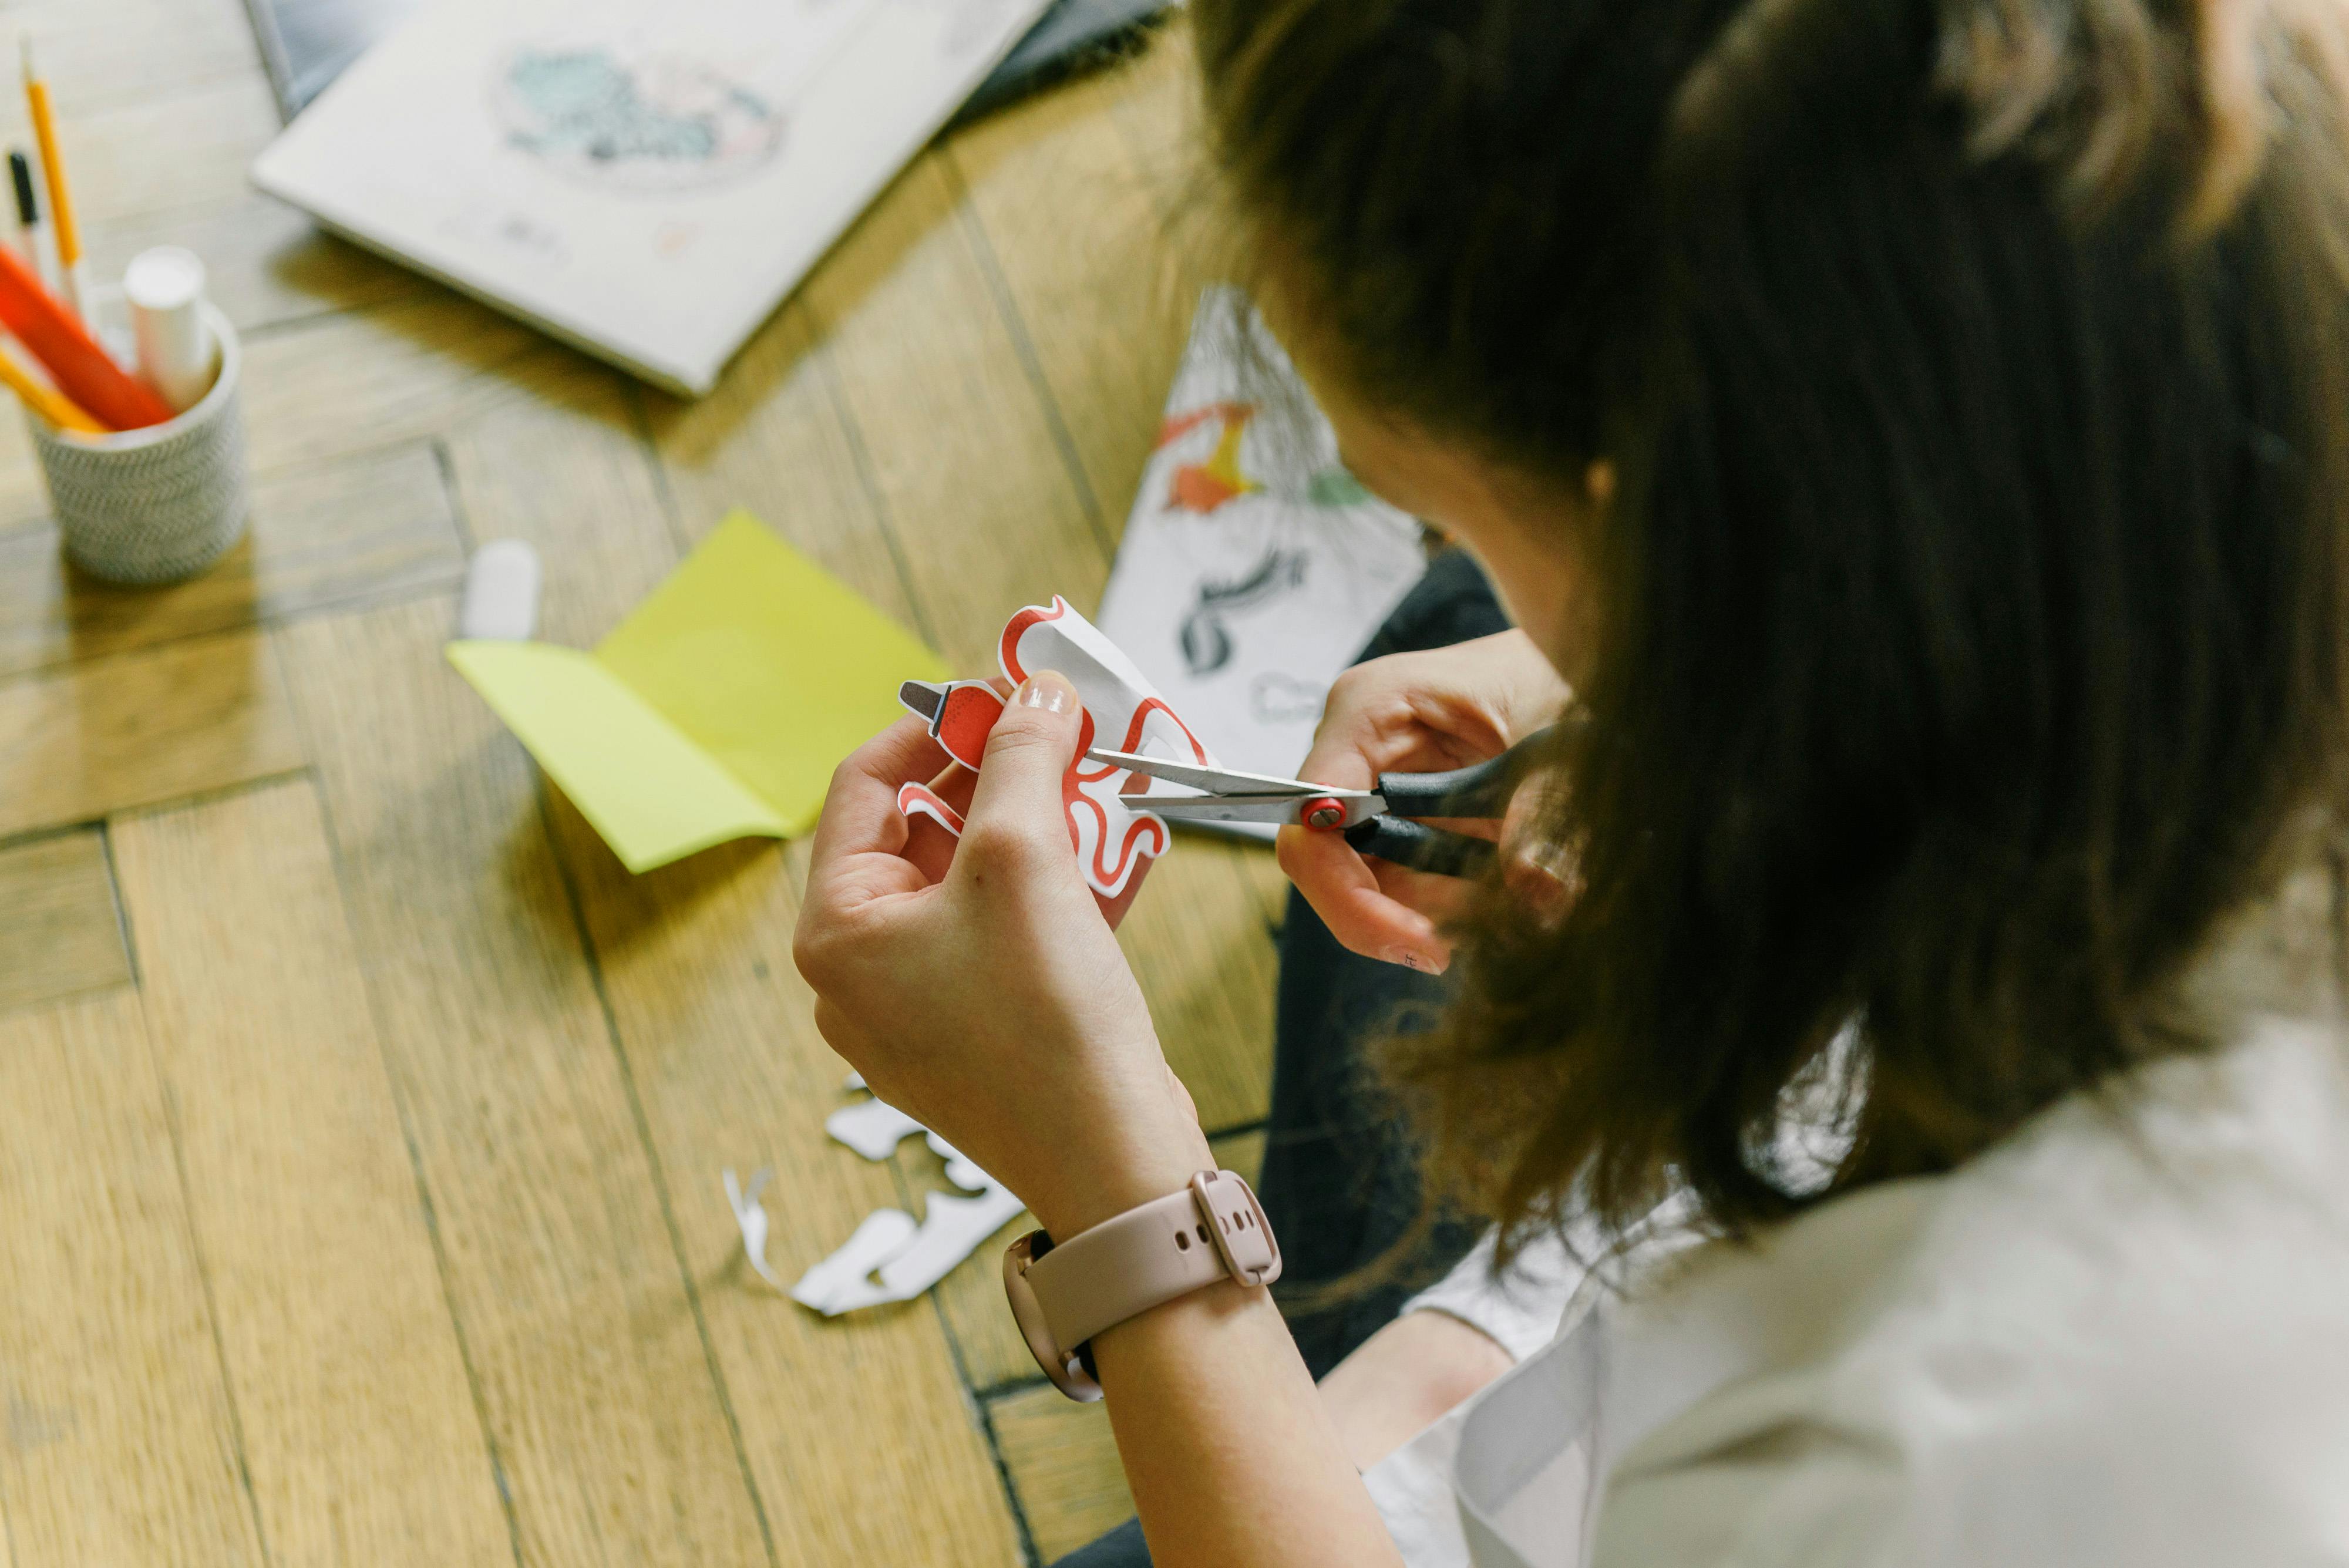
(1138, 1168)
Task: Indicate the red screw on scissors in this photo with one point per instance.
(1326, 814)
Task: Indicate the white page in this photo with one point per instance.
(1253, 569)
(647, 178)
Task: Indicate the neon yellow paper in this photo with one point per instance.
(717, 709)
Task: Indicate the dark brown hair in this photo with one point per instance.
(1971, 644)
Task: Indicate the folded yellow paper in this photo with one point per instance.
(718, 708)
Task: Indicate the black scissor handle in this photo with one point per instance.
(1482, 790)
(1420, 847)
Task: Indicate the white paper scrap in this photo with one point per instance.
(844, 1282)
(502, 589)
(953, 1226)
(889, 1257)
(874, 1128)
(753, 1218)
(962, 1170)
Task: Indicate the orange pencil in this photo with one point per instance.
(53, 173)
(61, 412)
(82, 370)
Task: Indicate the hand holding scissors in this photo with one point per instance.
(1386, 821)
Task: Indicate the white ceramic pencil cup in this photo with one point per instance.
(157, 504)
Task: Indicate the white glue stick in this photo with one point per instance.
(500, 593)
(165, 290)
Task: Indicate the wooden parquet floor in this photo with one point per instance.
(360, 1119)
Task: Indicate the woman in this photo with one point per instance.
(1915, 432)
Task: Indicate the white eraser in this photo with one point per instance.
(500, 593)
(164, 288)
(164, 278)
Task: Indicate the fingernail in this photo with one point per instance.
(1048, 690)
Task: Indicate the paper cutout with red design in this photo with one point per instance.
(1122, 713)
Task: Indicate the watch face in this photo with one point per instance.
(1067, 1373)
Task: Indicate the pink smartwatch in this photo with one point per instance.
(1063, 1296)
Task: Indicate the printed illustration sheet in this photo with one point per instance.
(1254, 567)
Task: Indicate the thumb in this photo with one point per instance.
(1028, 753)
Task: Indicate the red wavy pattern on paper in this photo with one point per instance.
(920, 799)
(1145, 835)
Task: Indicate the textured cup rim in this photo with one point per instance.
(222, 393)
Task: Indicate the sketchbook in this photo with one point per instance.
(644, 181)
(1254, 567)
(307, 44)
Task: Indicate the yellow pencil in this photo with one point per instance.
(45, 399)
(53, 173)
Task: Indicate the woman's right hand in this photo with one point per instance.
(1416, 712)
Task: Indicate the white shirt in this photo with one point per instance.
(2121, 1336)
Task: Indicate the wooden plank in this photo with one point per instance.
(860, 1423)
(1060, 1456)
(565, 472)
(162, 106)
(771, 438)
(1261, 873)
(265, 264)
(99, 53)
(374, 526)
(616, 1442)
(433, 365)
(170, 152)
(364, 1446)
(122, 1443)
(362, 382)
(137, 728)
(1104, 301)
(963, 454)
(1061, 1459)
(1243, 1152)
(62, 935)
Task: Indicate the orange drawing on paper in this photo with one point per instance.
(1203, 487)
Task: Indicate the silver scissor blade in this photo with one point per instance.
(1280, 808)
(1215, 781)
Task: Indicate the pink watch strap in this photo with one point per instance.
(1122, 1268)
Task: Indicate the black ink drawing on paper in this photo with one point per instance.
(1205, 633)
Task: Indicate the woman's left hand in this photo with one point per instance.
(986, 997)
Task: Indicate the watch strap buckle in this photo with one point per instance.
(1236, 1227)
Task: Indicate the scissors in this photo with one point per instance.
(1383, 821)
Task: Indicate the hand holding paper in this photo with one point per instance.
(990, 1001)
